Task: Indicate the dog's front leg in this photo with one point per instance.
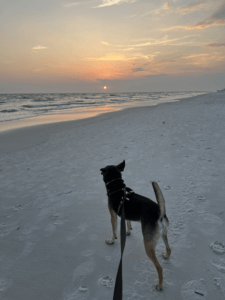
(129, 228)
(114, 226)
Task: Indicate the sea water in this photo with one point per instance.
(20, 106)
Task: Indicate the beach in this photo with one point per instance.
(54, 216)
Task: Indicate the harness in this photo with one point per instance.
(126, 190)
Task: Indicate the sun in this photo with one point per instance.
(105, 87)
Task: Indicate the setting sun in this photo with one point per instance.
(105, 87)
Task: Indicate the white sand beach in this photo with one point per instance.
(54, 218)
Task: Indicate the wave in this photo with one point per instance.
(45, 105)
(117, 100)
(42, 100)
(16, 106)
(8, 110)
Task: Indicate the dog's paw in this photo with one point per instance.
(109, 241)
(159, 288)
(165, 255)
(128, 233)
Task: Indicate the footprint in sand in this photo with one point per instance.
(217, 282)
(218, 247)
(76, 295)
(220, 267)
(135, 297)
(201, 198)
(84, 270)
(167, 187)
(79, 274)
(6, 228)
(93, 237)
(18, 207)
(87, 252)
(194, 290)
(54, 216)
(208, 218)
(208, 223)
(82, 227)
(52, 227)
(83, 288)
(106, 281)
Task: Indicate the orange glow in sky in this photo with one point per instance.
(50, 43)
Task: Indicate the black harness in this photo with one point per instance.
(125, 189)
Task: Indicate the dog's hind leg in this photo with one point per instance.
(165, 240)
(164, 237)
(129, 228)
(114, 226)
(150, 251)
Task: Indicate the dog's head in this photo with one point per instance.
(112, 172)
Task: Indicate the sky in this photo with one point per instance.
(126, 45)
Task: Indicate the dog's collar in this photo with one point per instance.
(113, 180)
(126, 190)
(109, 190)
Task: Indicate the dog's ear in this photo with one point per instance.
(103, 171)
(121, 166)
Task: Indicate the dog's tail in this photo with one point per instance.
(160, 199)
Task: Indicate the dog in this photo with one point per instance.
(151, 215)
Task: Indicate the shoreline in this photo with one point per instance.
(81, 113)
(31, 132)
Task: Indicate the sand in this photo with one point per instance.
(54, 218)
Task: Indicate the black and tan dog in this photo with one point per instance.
(151, 215)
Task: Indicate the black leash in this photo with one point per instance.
(118, 290)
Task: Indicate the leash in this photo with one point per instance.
(118, 290)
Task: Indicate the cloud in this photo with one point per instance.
(215, 45)
(71, 4)
(205, 60)
(113, 2)
(196, 55)
(110, 57)
(121, 57)
(167, 5)
(128, 49)
(152, 42)
(193, 6)
(161, 11)
(39, 48)
(105, 43)
(138, 70)
(216, 19)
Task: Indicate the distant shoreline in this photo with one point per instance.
(30, 132)
(75, 114)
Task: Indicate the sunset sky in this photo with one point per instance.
(124, 45)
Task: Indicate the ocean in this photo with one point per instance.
(21, 106)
